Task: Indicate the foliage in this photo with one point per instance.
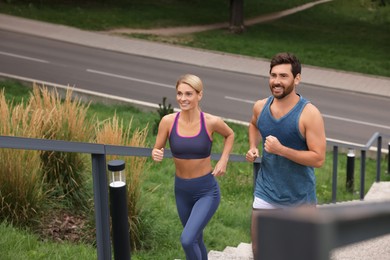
(163, 109)
(21, 190)
(113, 132)
(63, 172)
(104, 15)
(58, 174)
(359, 44)
(21, 244)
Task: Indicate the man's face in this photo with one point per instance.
(282, 81)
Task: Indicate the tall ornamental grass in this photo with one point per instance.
(32, 182)
(63, 172)
(113, 132)
(27, 178)
(21, 190)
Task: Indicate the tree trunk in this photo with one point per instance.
(236, 16)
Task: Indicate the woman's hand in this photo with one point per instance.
(219, 169)
(157, 154)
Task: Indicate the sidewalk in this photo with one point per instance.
(311, 75)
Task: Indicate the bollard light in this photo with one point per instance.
(388, 158)
(117, 176)
(350, 170)
(118, 204)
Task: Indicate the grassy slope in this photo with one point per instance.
(162, 228)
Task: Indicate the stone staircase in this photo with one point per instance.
(242, 252)
(374, 249)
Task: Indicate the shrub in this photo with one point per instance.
(63, 172)
(163, 109)
(112, 132)
(21, 190)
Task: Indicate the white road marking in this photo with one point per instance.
(240, 100)
(355, 121)
(130, 78)
(23, 57)
(324, 115)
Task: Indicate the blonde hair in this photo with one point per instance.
(193, 81)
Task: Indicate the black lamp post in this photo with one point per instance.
(350, 170)
(118, 203)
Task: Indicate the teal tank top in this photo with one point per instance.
(282, 182)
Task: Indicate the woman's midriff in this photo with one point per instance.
(192, 168)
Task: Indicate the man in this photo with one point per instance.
(293, 137)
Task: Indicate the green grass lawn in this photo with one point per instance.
(100, 15)
(341, 35)
(229, 226)
(21, 244)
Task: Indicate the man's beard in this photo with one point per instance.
(285, 92)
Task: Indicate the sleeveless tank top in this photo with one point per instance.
(280, 181)
(190, 147)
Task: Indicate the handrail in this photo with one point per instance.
(99, 152)
(99, 175)
(320, 230)
(363, 152)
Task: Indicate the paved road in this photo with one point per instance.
(119, 66)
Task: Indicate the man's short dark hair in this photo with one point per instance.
(286, 58)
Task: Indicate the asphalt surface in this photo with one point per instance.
(353, 82)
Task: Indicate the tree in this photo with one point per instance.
(236, 16)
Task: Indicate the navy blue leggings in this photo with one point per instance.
(196, 201)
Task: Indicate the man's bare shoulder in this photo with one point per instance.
(311, 110)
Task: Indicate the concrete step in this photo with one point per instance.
(242, 252)
(373, 249)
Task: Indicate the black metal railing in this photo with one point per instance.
(100, 186)
(364, 149)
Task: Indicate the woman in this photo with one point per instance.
(190, 137)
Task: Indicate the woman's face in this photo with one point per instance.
(187, 97)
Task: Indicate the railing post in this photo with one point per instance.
(362, 173)
(334, 175)
(350, 170)
(101, 207)
(256, 168)
(388, 158)
(378, 159)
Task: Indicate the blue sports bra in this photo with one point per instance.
(190, 147)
